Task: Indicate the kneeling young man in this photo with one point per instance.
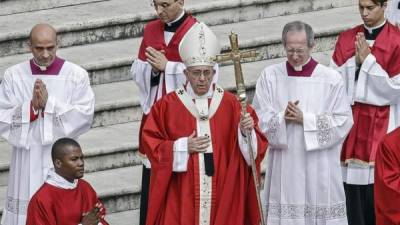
(64, 198)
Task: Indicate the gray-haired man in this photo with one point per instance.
(303, 111)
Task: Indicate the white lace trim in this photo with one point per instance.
(57, 125)
(294, 211)
(273, 128)
(16, 206)
(16, 126)
(324, 134)
(205, 193)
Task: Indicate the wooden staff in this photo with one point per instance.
(235, 55)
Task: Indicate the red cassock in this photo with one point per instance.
(387, 180)
(174, 196)
(370, 121)
(56, 206)
(153, 36)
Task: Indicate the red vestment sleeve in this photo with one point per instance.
(40, 213)
(387, 181)
(159, 150)
(345, 48)
(33, 117)
(93, 200)
(338, 56)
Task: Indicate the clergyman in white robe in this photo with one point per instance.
(68, 113)
(303, 177)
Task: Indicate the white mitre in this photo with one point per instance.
(199, 46)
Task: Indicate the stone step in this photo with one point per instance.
(88, 24)
(118, 189)
(125, 196)
(111, 61)
(114, 101)
(10, 7)
(130, 217)
(104, 148)
(116, 145)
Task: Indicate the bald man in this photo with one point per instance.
(41, 100)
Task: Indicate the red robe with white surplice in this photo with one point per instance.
(387, 180)
(52, 205)
(172, 77)
(375, 95)
(175, 196)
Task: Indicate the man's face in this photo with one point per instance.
(372, 14)
(43, 46)
(72, 165)
(200, 78)
(296, 48)
(168, 10)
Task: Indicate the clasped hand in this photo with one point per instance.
(156, 59)
(362, 48)
(293, 112)
(93, 216)
(40, 95)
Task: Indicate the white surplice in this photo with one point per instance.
(68, 113)
(374, 87)
(303, 177)
(142, 73)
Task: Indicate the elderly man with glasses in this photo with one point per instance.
(197, 147)
(304, 113)
(158, 69)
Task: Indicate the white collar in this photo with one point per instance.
(370, 29)
(179, 17)
(58, 181)
(300, 68)
(42, 68)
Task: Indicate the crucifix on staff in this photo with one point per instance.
(235, 55)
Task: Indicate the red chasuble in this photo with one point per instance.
(56, 206)
(387, 180)
(153, 36)
(174, 196)
(370, 121)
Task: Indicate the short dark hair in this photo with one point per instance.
(58, 149)
(379, 2)
(299, 26)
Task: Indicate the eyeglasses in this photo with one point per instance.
(295, 51)
(198, 73)
(163, 5)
